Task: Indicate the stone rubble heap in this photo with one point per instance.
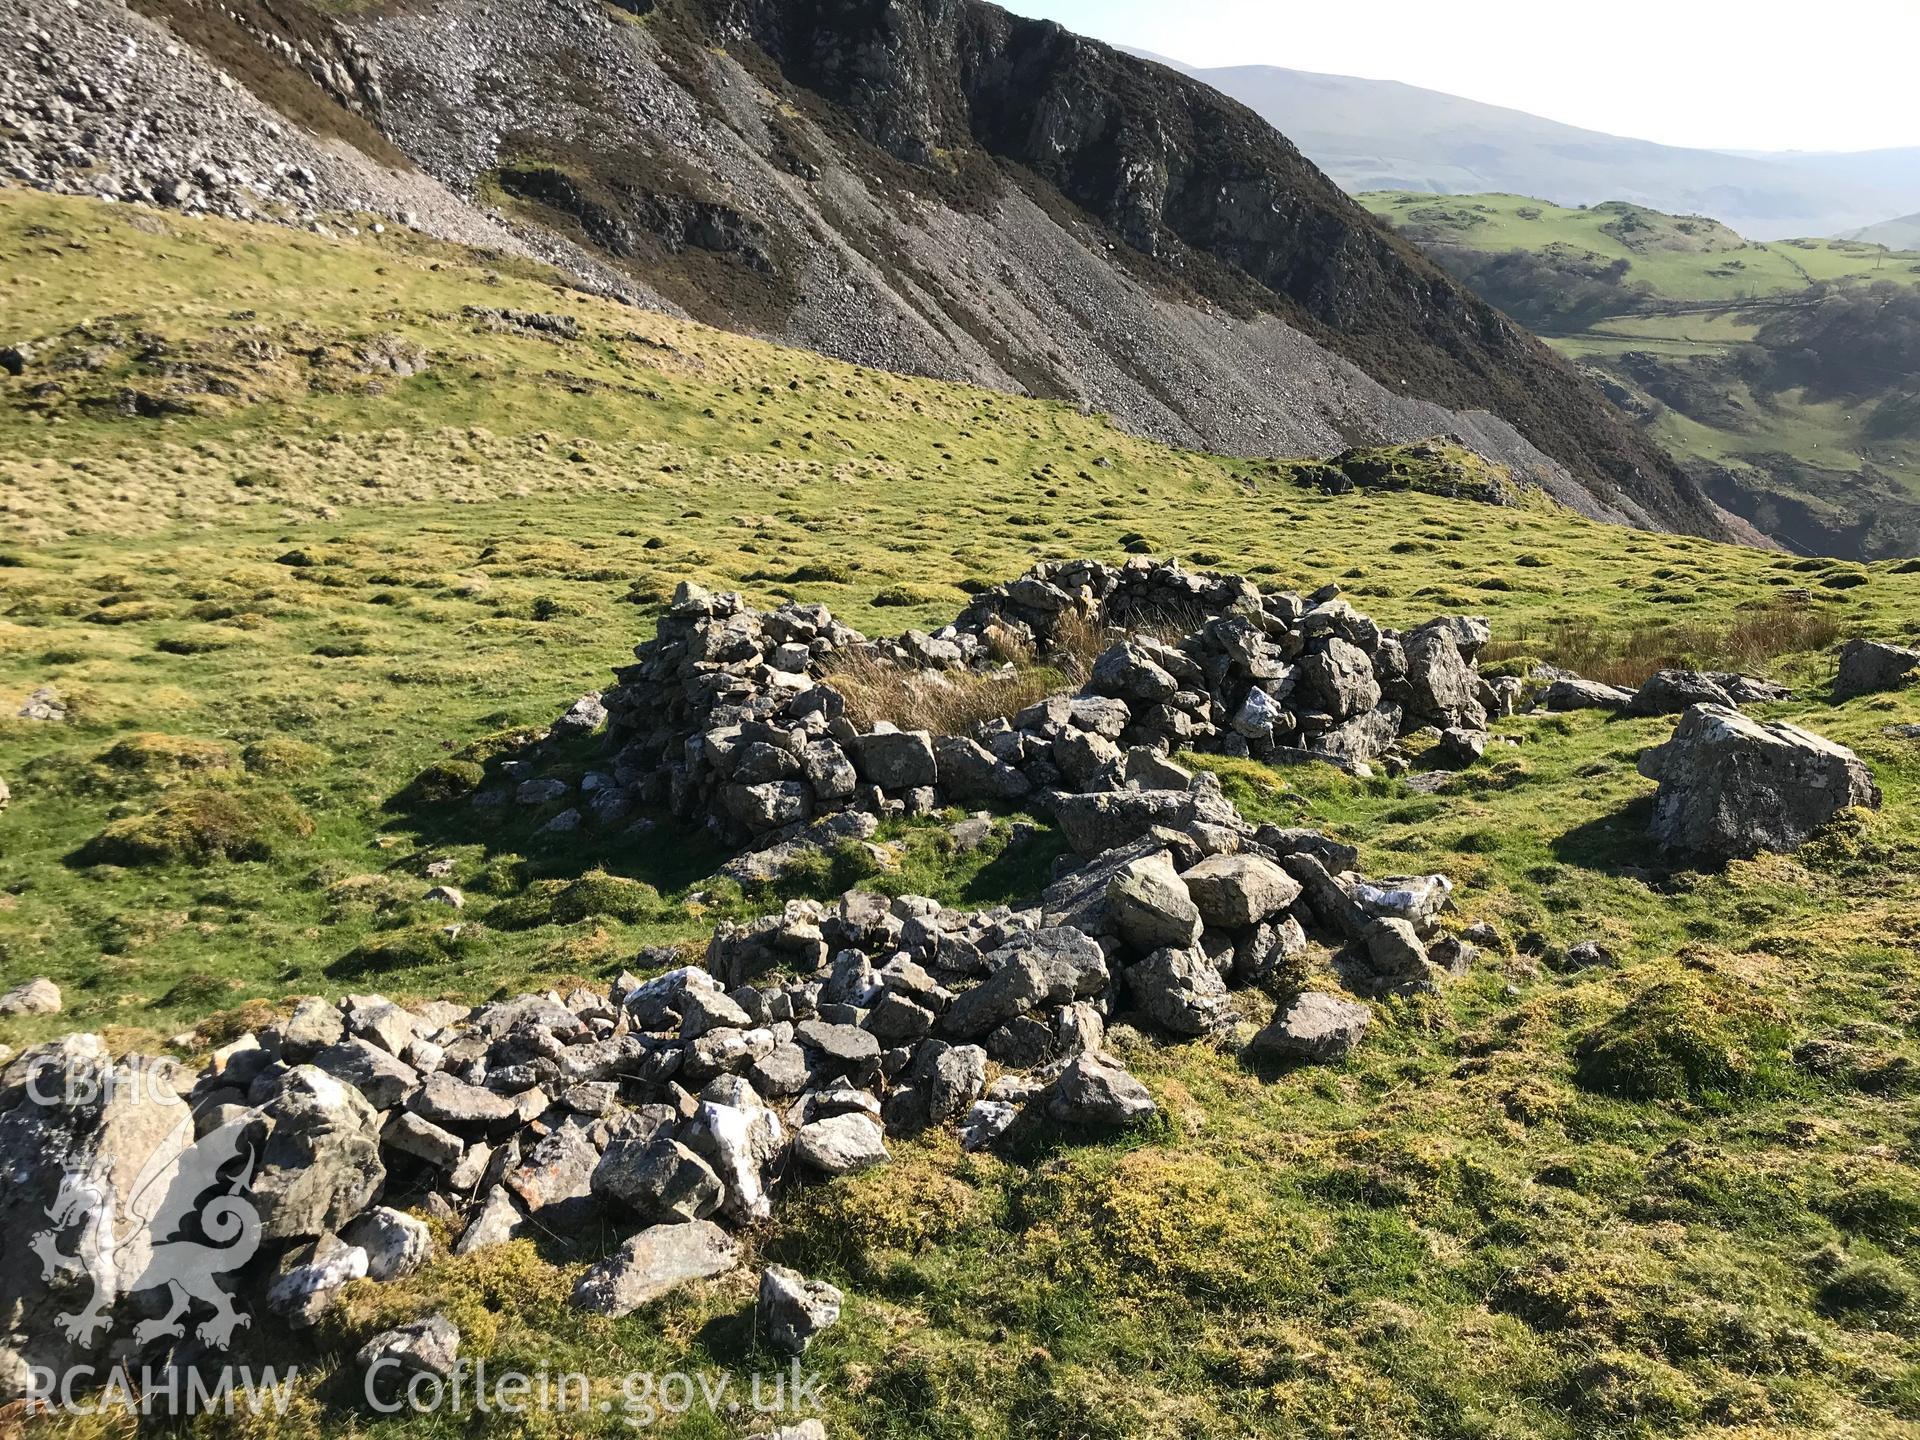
(808, 1043)
(679, 1100)
(731, 716)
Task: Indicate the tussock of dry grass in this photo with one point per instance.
(1627, 657)
(946, 704)
(953, 702)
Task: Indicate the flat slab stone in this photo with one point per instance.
(653, 1262)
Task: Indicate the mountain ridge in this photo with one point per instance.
(1390, 135)
(948, 190)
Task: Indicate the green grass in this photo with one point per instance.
(1681, 258)
(1545, 1203)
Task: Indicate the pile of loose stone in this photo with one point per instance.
(680, 1099)
(680, 1103)
(811, 1039)
(731, 716)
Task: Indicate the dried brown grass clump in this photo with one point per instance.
(1078, 641)
(1627, 657)
(949, 703)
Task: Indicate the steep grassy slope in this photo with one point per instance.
(275, 578)
(951, 190)
(1788, 372)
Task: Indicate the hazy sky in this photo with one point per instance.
(1757, 75)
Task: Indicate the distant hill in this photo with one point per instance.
(1787, 373)
(1384, 135)
(1901, 234)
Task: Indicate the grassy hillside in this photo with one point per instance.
(1704, 336)
(286, 522)
(1901, 234)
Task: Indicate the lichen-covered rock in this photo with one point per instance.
(840, 1144)
(35, 997)
(1731, 786)
(1126, 672)
(659, 1179)
(1097, 823)
(1151, 906)
(1265, 950)
(1237, 892)
(1179, 990)
(1570, 692)
(1339, 680)
(895, 759)
(791, 1309)
(104, 1129)
(396, 1243)
(430, 1346)
(1315, 1027)
(1867, 666)
(969, 771)
(653, 1262)
(1669, 692)
(321, 1164)
(1097, 1089)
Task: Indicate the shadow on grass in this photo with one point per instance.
(1613, 844)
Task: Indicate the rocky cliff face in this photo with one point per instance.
(939, 187)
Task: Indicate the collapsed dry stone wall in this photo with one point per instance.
(731, 715)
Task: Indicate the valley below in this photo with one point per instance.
(1785, 372)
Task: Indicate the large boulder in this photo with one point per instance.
(1731, 786)
(659, 1179)
(1870, 665)
(1670, 692)
(1442, 686)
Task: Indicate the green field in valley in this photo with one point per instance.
(1705, 338)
